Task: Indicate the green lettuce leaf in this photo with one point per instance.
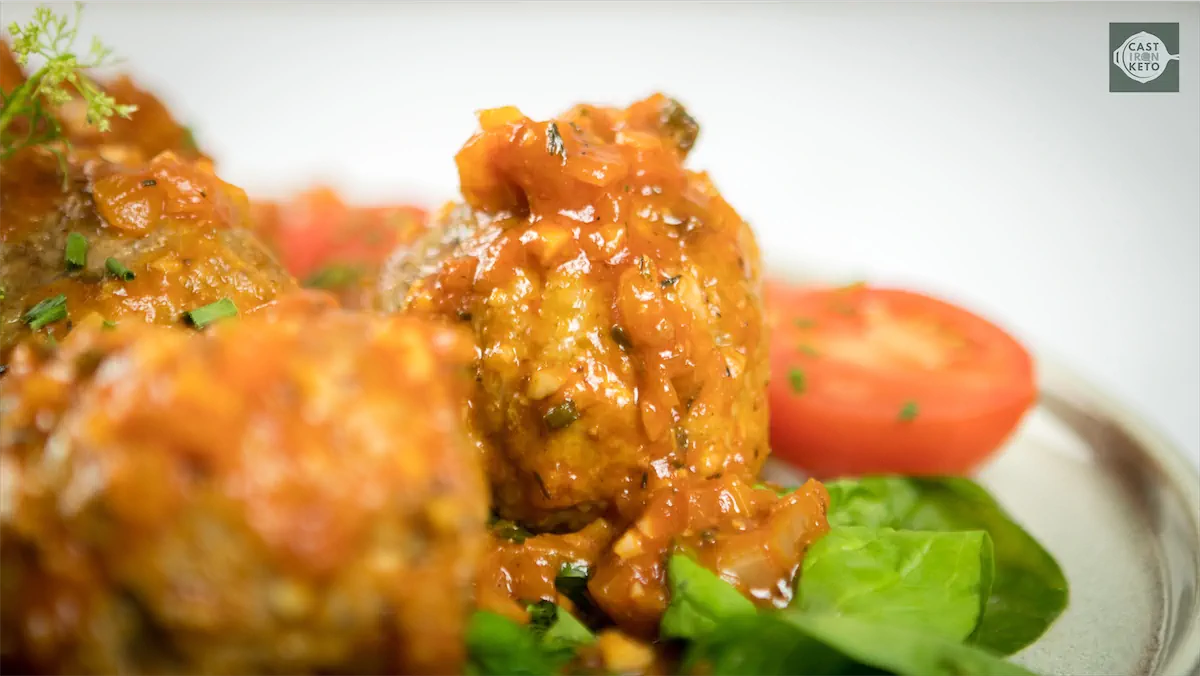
(928, 580)
(699, 600)
(1028, 590)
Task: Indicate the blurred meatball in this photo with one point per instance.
(288, 493)
(178, 230)
(615, 301)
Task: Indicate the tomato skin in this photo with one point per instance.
(891, 381)
(317, 229)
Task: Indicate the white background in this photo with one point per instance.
(973, 151)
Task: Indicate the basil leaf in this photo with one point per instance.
(1028, 591)
(498, 646)
(932, 581)
(899, 649)
(763, 645)
(794, 641)
(699, 600)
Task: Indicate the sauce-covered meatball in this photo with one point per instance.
(151, 241)
(288, 493)
(615, 301)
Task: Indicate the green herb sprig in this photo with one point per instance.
(52, 37)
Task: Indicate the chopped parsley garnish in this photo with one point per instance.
(908, 411)
(108, 325)
(554, 142)
(796, 380)
(46, 312)
(207, 314)
(117, 269)
(669, 282)
(76, 253)
(561, 415)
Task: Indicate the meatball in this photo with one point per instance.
(291, 492)
(616, 304)
(162, 238)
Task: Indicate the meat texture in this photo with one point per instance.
(615, 301)
(179, 230)
(263, 497)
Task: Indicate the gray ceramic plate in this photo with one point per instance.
(1120, 510)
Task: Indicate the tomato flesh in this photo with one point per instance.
(868, 380)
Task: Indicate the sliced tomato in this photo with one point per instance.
(317, 229)
(867, 380)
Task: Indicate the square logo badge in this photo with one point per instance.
(1143, 57)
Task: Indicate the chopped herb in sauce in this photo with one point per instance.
(620, 336)
(508, 530)
(808, 350)
(669, 281)
(561, 415)
(645, 479)
(541, 485)
(681, 438)
(108, 325)
(554, 142)
(46, 312)
(76, 253)
(542, 614)
(572, 579)
(804, 322)
(908, 411)
(334, 276)
(117, 269)
(149, 183)
(679, 125)
(207, 314)
(796, 380)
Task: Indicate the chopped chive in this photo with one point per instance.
(207, 314)
(796, 380)
(46, 312)
(108, 325)
(117, 269)
(804, 322)
(561, 415)
(77, 248)
(908, 411)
